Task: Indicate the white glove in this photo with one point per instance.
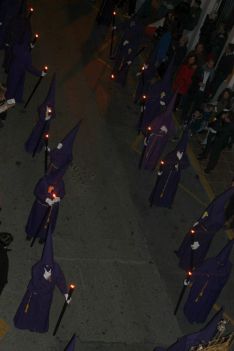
(49, 201)
(129, 63)
(47, 274)
(186, 282)
(129, 51)
(179, 155)
(195, 245)
(145, 66)
(160, 173)
(143, 108)
(48, 114)
(164, 129)
(56, 199)
(145, 141)
(138, 74)
(125, 42)
(195, 224)
(205, 214)
(67, 299)
(59, 146)
(177, 166)
(162, 103)
(32, 46)
(43, 73)
(11, 102)
(114, 28)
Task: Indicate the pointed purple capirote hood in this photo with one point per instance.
(63, 156)
(71, 345)
(49, 100)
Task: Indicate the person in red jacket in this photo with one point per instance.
(183, 78)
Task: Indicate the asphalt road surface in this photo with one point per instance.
(109, 242)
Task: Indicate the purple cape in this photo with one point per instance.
(72, 344)
(35, 140)
(161, 128)
(212, 220)
(207, 281)
(203, 336)
(21, 63)
(40, 208)
(131, 42)
(34, 309)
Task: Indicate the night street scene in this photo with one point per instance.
(117, 175)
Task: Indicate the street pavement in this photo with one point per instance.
(117, 250)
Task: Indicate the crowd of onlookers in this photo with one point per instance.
(203, 76)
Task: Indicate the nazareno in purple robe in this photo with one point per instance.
(169, 174)
(158, 97)
(201, 337)
(105, 12)
(207, 282)
(8, 10)
(161, 128)
(127, 52)
(211, 221)
(40, 209)
(21, 63)
(34, 309)
(18, 29)
(35, 140)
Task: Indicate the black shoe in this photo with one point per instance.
(201, 157)
(41, 241)
(207, 170)
(28, 238)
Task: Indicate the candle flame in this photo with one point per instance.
(162, 162)
(192, 231)
(54, 195)
(190, 273)
(112, 76)
(114, 13)
(36, 35)
(46, 68)
(47, 136)
(143, 68)
(31, 9)
(72, 286)
(149, 128)
(144, 97)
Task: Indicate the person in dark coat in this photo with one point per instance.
(21, 63)
(197, 92)
(223, 69)
(229, 212)
(46, 111)
(169, 174)
(197, 241)
(49, 191)
(207, 282)
(157, 136)
(204, 336)
(72, 344)
(62, 156)
(34, 309)
(5, 241)
(223, 138)
(105, 12)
